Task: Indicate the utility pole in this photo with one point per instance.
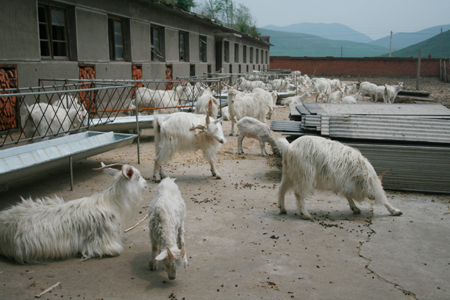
(390, 46)
(440, 44)
(341, 51)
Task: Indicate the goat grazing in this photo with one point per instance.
(49, 228)
(312, 162)
(186, 132)
(166, 223)
(253, 128)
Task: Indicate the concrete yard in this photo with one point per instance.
(237, 243)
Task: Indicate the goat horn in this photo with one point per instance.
(183, 251)
(382, 175)
(114, 166)
(170, 254)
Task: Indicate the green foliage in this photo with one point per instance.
(186, 5)
(228, 13)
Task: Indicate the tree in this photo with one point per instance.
(228, 13)
(187, 5)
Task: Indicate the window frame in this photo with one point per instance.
(226, 51)
(183, 46)
(202, 48)
(157, 53)
(49, 31)
(112, 21)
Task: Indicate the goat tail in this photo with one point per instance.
(283, 145)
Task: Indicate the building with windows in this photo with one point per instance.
(116, 38)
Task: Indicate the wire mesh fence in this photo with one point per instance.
(50, 111)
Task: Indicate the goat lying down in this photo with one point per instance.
(47, 229)
(312, 162)
(166, 223)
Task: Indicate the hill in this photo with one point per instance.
(402, 39)
(299, 44)
(332, 31)
(430, 46)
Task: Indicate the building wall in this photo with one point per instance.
(370, 66)
(89, 41)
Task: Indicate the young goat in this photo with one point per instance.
(180, 132)
(49, 228)
(166, 223)
(314, 162)
(253, 128)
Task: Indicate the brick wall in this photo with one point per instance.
(375, 66)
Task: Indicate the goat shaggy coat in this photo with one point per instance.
(312, 162)
(166, 223)
(49, 228)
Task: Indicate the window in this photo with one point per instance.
(116, 46)
(226, 46)
(184, 46)
(157, 43)
(244, 54)
(262, 56)
(251, 55)
(257, 55)
(53, 32)
(236, 53)
(266, 58)
(192, 70)
(202, 48)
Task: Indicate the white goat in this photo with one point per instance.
(245, 84)
(252, 128)
(280, 85)
(312, 162)
(45, 119)
(336, 97)
(49, 228)
(202, 105)
(295, 99)
(245, 104)
(226, 114)
(351, 98)
(166, 214)
(162, 102)
(322, 88)
(269, 98)
(186, 132)
(368, 89)
(392, 91)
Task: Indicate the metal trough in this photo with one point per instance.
(21, 161)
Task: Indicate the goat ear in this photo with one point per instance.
(170, 254)
(201, 127)
(127, 171)
(183, 250)
(161, 256)
(218, 120)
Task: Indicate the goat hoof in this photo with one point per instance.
(397, 212)
(356, 210)
(218, 176)
(231, 134)
(283, 211)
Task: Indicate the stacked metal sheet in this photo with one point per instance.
(411, 141)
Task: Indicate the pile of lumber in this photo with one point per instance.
(411, 141)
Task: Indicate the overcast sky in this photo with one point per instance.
(375, 18)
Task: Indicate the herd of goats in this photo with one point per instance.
(37, 230)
